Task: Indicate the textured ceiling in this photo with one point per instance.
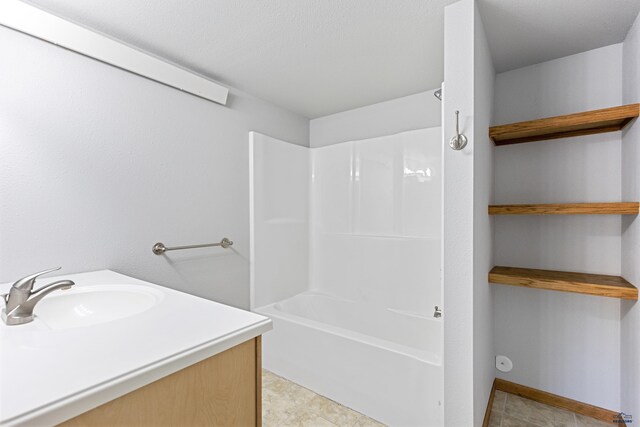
(318, 57)
(314, 57)
(526, 32)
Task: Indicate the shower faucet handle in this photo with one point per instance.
(437, 313)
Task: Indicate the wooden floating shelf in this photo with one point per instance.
(586, 123)
(620, 208)
(580, 283)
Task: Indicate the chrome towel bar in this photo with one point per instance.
(160, 248)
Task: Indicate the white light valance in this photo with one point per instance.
(43, 25)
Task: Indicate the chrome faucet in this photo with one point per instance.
(21, 299)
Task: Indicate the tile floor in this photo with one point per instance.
(510, 410)
(286, 404)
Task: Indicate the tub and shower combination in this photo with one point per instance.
(345, 259)
(350, 353)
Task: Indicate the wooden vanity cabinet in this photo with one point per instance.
(224, 390)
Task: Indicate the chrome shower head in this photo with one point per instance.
(438, 94)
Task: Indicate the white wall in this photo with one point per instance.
(418, 111)
(97, 164)
(630, 340)
(458, 212)
(467, 238)
(279, 193)
(483, 342)
(566, 344)
(375, 220)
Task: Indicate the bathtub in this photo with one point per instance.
(384, 363)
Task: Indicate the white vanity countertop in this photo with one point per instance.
(50, 375)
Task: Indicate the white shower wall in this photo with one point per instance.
(375, 220)
(359, 220)
(279, 219)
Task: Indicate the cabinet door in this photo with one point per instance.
(223, 390)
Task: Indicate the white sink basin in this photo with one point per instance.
(105, 337)
(91, 305)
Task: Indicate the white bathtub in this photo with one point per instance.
(383, 363)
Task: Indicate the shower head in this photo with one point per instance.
(438, 94)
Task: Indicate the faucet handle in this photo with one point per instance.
(437, 313)
(26, 283)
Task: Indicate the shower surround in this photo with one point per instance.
(346, 258)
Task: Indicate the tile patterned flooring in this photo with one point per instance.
(285, 404)
(510, 410)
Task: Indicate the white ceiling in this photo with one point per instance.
(318, 57)
(314, 57)
(526, 32)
